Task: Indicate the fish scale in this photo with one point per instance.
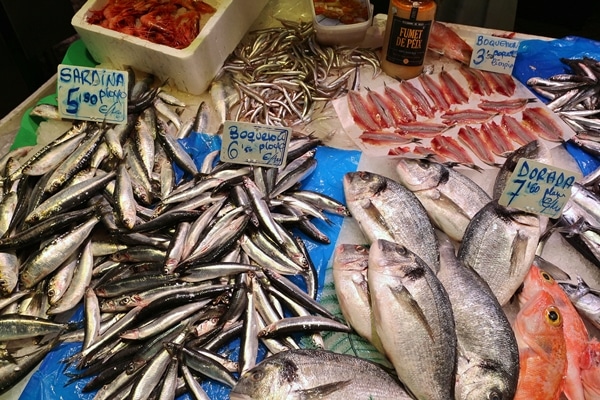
(413, 318)
(385, 209)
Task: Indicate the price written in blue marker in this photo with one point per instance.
(254, 144)
(92, 94)
(494, 54)
(538, 188)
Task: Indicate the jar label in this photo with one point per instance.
(408, 41)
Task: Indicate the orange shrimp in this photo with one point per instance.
(174, 23)
(575, 331)
(590, 370)
(542, 349)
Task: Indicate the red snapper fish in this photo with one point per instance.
(444, 40)
(590, 370)
(542, 349)
(575, 331)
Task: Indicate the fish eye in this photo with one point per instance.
(547, 277)
(257, 376)
(553, 316)
(493, 395)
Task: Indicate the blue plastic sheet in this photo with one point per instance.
(50, 383)
(541, 58)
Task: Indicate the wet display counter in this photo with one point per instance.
(339, 154)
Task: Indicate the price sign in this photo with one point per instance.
(538, 188)
(494, 54)
(92, 94)
(255, 144)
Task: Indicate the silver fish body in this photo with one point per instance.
(500, 244)
(413, 318)
(488, 357)
(303, 374)
(450, 197)
(349, 266)
(385, 209)
(585, 299)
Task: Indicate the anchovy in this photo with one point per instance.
(48, 258)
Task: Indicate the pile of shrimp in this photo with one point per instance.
(173, 23)
(346, 11)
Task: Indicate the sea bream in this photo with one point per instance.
(413, 317)
(488, 356)
(500, 244)
(385, 209)
(450, 197)
(317, 374)
(349, 266)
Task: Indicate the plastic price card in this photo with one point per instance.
(494, 54)
(93, 94)
(254, 144)
(538, 188)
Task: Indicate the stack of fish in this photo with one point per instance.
(168, 272)
(282, 74)
(573, 95)
(443, 258)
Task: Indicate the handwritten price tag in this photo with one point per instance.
(92, 94)
(538, 188)
(494, 54)
(254, 144)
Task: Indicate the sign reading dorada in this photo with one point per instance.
(538, 188)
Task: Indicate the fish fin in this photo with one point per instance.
(375, 214)
(404, 296)
(518, 249)
(318, 392)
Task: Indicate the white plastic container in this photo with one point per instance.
(331, 31)
(191, 69)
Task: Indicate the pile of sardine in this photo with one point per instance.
(168, 271)
(441, 259)
(282, 73)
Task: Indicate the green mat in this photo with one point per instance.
(77, 54)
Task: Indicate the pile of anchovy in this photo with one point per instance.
(169, 272)
(574, 96)
(281, 73)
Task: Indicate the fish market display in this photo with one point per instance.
(303, 374)
(172, 23)
(190, 272)
(467, 116)
(169, 270)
